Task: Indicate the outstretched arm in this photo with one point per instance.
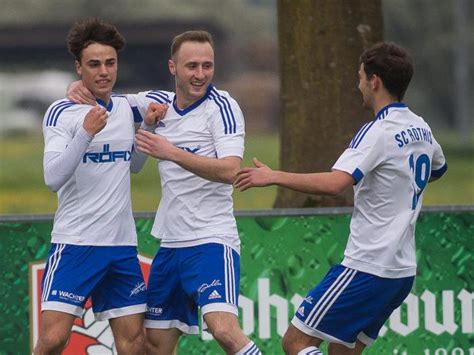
(330, 183)
(219, 170)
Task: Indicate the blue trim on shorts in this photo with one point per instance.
(348, 302)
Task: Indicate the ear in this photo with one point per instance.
(78, 68)
(172, 67)
(375, 82)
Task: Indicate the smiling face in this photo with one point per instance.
(193, 69)
(98, 69)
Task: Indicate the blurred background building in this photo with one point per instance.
(35, 67)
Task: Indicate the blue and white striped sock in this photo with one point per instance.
(249, 349)
(310, 350)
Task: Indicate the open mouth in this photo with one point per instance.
(198, 85)
(103, 82)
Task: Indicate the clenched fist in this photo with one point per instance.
(95, 120)
(155, 113)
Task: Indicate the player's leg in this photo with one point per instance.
(54, 333)
(214, 281)
(339, 349)
(225, 328)
(294, 341)
(162, 341)
(120, 298)
(388, 296)
(64, 293)
(129, 334)
(333, 311)
(349, 307)
(170, 312)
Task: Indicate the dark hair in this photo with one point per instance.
(190, 36)
(93, 30)
(392, 64)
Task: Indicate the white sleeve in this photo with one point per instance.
(60, 166)
(365, 152)
(139, 102)
(228, 127)
(438, 164)
(138, 158)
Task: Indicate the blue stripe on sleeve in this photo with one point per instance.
(231, 117)
(56, 111)
(357, 135)
(439, 172)
(137, 117)
(226, 112)
(357, 175)
(221, 109)
(59, 113)
(158, 96)
(359, 139)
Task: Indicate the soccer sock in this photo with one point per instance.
(249, 349)
(310, 350)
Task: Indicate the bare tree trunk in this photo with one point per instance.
(321, 107)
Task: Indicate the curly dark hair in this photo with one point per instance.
(392, 64)
(93, 30)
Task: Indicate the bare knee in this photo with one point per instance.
(225, 328)
(339, 349)
(131, 343)
(162, 341)
(287, 343)
(51, 343)
(295, 340)
(223, 334)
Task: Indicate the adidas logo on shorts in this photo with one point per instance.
(301, 311)
(214, 294)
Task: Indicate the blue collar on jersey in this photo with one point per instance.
(194, 105)
(383, 112)
(103, 103)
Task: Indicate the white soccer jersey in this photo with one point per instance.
(194, 210)
(94, 205)
(391, 159)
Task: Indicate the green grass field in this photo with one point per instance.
(22, 189)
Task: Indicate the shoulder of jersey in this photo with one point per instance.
(160, 96)
(222, 99)
(60, 107)
(220, 93)
(119, 98)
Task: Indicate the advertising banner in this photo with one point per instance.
(282, 257)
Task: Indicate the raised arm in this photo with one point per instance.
(60, 166)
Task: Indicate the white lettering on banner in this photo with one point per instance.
(431, 323)
(409, 324)
(413, 319)
(265, 300)
(467, 299)
(248, 314)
